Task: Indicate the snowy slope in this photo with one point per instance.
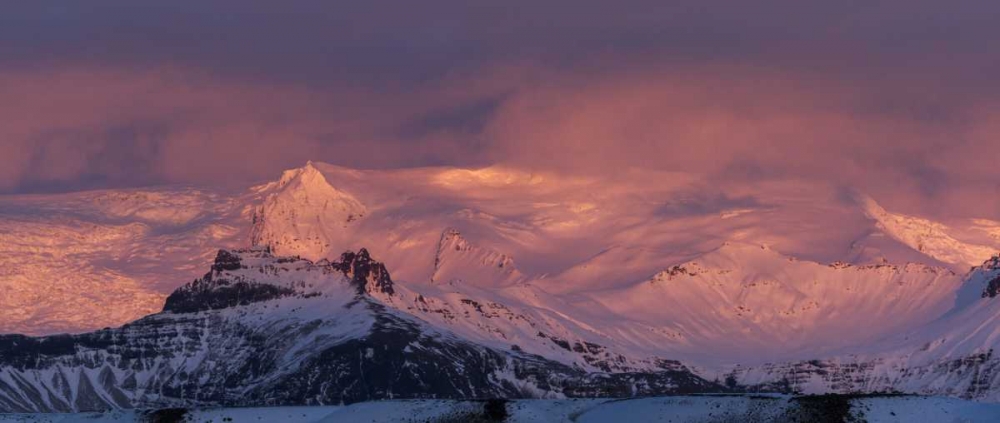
(705, 312)
(928, 237)
(457, 260)
(770, 306)
(953, 355)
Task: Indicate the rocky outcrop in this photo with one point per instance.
(225, 260)
(220, 289)
(366, 275)
(223, 287)
(991, 275)
(992, 288)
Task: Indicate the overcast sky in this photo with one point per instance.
(897, 98)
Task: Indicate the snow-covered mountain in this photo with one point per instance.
(953, 355)
(545, 284)
(259, 329)
(302, 214)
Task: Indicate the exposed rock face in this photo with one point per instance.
(366, 275)
(991, 275)
(213, 294)
(219, 289)
(226, 260)
(992, 288)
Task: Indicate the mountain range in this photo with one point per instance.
(333, 285)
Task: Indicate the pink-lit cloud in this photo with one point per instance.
(739, 124)
(169, 125)
(895, 98)
(731, 124)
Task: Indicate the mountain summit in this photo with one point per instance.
(458, 260)
(302, 214)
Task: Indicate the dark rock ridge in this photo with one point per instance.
(985, 278)
(226, 260)
(367, 276)
(255, 331)
(992, 288)
(220, 289)
(992, 269)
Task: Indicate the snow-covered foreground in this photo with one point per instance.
(663, 409)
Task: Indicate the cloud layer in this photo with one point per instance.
(894, 98)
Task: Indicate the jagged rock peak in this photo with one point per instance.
(241, 277)
(225, 260)
(992, 288)
(366, 275)
(992, 264)
(220, 289)
(992, 270)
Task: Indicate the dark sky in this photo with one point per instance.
(897, 98)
